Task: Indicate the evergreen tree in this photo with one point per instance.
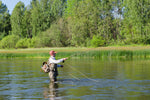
(16, 19)
(5, 25)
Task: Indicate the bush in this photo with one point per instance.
(22, 43)
(27, 43)
(138, 40)
(147, 40)
(55, 36)
(32, 43)
(9, 41)
(45, 40)
(134, 40)
(97, 41)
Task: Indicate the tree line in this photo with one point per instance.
(80, 23)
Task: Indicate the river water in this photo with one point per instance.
(80, 79)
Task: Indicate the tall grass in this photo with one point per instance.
(128, 52)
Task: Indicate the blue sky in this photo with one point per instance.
(11, 3)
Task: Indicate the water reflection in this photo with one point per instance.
(51, 91)
(21, 79)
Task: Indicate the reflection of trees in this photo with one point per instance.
(51, 92)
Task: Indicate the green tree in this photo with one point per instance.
(16, 19)
(26, 21)
(5, 25)
(136, 19)
(83, 20)
(55, 36)
(56, 8)
(71, 4)
(106, 27)
(44, 13)
(35, 17)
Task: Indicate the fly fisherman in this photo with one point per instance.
(53, 64)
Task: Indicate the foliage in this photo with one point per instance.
(26, 22)
(82, 21)
(79, 23)
(22, 43)
(44, 40)
(36, 18)
(33, 42)
(5, 25)
(9, 41)
(27, 43)
(136, 18)
(16, 19)
(97, 41)
(55, 36)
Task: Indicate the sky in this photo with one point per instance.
(11, 3)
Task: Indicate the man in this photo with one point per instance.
(53, 64)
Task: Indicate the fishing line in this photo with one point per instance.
(74, 76)
(81, 73)
(77, 53)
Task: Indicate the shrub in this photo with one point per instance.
(9, 41)
(97, 41)
(45, 40)
(138, 40)
(147, 40)
(22, 43)
(27, 43)
(32, 43)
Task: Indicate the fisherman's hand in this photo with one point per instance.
(65, 59)
(62, 66)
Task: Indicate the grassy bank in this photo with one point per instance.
(128, 52)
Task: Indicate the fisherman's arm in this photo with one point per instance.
(60, 65)
(57, 61)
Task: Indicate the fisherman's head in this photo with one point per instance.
(52, 53)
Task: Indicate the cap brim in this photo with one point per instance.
(55, 52)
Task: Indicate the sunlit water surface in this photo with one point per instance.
(80, 79)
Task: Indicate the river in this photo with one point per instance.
(79, 79)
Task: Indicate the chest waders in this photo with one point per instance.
(53, 73)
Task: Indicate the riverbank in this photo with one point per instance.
(128, 51)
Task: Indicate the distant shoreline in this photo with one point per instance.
(125, 51)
